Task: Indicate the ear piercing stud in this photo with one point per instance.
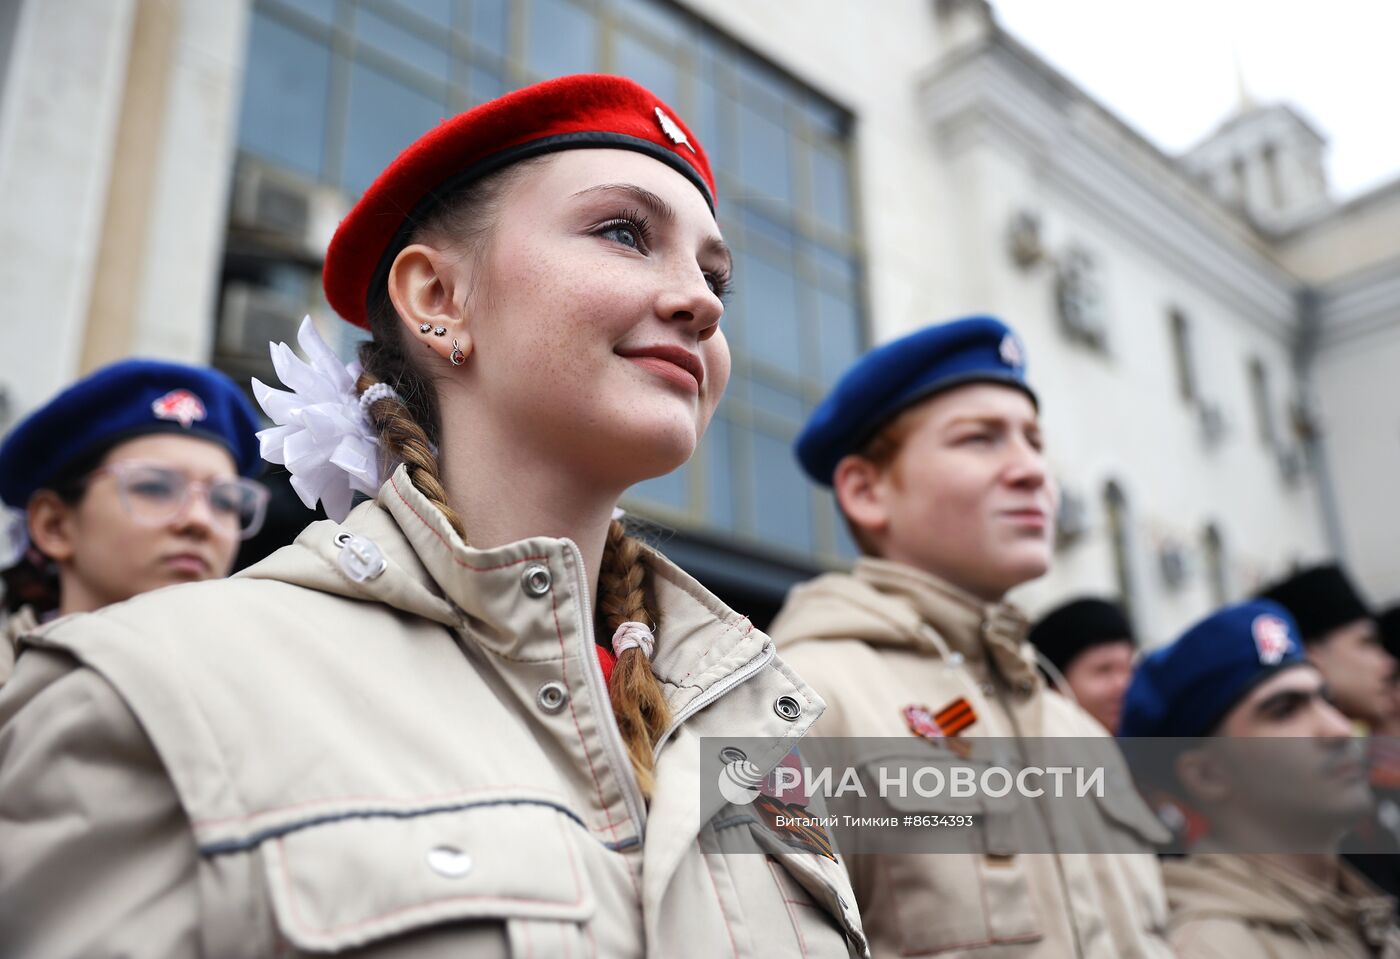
(425, 328)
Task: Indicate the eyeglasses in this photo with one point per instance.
(154, 495)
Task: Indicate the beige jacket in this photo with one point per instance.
(1247, 907)
(888, 636)
(12, 627)
(414, 761)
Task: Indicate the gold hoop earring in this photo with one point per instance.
(457, 357)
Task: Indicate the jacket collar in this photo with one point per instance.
(430, 572)
(978, 631)
(1258, 888)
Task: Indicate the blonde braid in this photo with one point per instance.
(637, 699)
(405, 440)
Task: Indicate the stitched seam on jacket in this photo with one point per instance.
(733, 946)
(442, 800)
(277, 832)
(611, 824)
(792, 916)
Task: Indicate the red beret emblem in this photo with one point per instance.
(181, 406)
(672, 130)
(1270, 639)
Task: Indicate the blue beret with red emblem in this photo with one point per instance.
(1188, 686)
(895, 376)
(567, 113)
(127, 399)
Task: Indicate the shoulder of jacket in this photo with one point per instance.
(1215, 936)
(244, 627)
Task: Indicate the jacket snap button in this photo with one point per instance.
(788, 708)
(535, 580)
(732, 754)
(359, 559)
(449, 861)
(552, 696)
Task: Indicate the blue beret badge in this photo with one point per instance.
(180, 406)
(1271, 639)
(1010, 351)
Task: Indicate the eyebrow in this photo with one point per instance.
(659, 208)
(1289, 698)
(992, 419)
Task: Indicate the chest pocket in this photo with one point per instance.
(973, 894)
(505, 878)
(772, 879)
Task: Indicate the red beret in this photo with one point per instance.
(568, 113)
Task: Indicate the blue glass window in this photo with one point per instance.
(285, 96)
(563, 39)
(386, 115)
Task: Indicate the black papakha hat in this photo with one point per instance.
(1389, 623)
(1065, 632)
(1321, 598)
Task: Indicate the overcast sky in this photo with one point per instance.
(1169, 69)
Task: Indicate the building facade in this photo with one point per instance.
(1211, 336)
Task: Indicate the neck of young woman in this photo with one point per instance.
(508, 491)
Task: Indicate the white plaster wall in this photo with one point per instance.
(1120, 415)
(59, 107)
(1356, 381)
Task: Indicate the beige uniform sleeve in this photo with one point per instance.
(1216, 938)
(96, 856)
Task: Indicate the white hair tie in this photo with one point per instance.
(375, 393)
(634, 635)
(323, 433)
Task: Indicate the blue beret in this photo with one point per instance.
(895, 376)
(1186, 687)
(118, 402)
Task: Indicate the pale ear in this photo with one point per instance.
(51, 526)
(859, 486)
(1203, 777)
(429, 288)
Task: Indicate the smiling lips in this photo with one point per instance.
(1030, 516)
(672, 363)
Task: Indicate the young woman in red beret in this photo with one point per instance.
(466, 718)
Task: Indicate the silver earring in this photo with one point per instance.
(457, 357)
(439, 331)
(425, 328)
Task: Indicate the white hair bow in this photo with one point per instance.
(323, 433)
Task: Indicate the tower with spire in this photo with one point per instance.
(1266, 160)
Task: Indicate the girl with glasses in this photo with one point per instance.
(472, 715)
(134, 478)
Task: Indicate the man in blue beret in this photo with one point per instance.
(932, 445)
(136, 477)
(1272, 768)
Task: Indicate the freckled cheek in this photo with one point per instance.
(717, 368)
